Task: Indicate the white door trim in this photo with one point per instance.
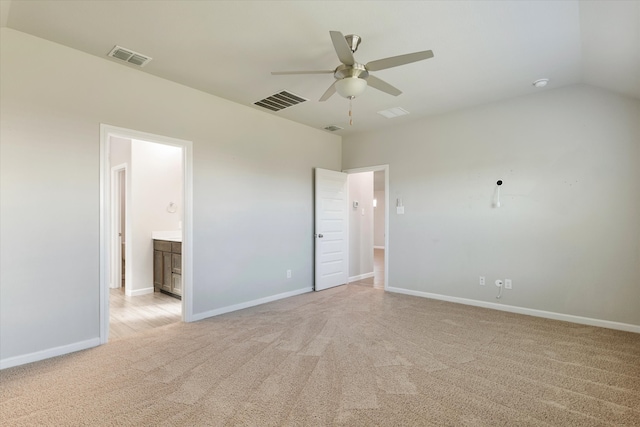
(106, 132)
(387, 248)
(115, 278)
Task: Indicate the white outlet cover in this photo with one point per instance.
(508, 284)
(400, 210)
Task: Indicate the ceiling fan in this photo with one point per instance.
(352, 77)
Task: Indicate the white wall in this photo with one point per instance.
(252, 190)
(568, 231)
(156, 181)
(378, 219)
(361, 225)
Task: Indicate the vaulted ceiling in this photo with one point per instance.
(484, 50)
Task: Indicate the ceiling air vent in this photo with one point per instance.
(393, 112)
(280, 101)
(332, 128)
(127, 55)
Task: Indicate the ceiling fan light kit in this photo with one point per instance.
(352, 78)
(350, 87)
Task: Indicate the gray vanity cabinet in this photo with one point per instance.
(167, 267)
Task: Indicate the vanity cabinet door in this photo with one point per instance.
(176, 263)
(176, 284)
(158, 271)
(166, 267)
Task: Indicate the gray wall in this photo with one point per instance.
(568, 231)
(252, 177)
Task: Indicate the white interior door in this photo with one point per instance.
(331, 229)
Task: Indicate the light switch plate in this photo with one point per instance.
(400, 210)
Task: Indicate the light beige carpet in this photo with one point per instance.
(351, 356)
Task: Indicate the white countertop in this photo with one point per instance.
(171, 235)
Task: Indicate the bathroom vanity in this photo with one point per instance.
(167, 265)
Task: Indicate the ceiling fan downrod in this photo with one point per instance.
(353, 40)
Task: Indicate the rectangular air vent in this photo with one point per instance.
(280, 101)
(332, 128)
(393, 112)
(127, 55)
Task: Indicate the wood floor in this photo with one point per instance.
(131, 315)
(378, 271)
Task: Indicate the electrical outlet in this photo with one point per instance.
(288, 274)
(482, 281)
(508, 284)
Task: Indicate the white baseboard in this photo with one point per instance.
(46, 354)
(136, 292)
(378, 247)
(360, 277)
(522, 310)
(236, 307)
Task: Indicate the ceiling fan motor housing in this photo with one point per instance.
(355, 70)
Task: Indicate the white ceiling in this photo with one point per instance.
(484, 50)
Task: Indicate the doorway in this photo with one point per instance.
(128, 296)
(335, 213)
(118, 225)
(367, 226)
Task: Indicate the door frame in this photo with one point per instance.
(106, 132)
(116, 243)
(384, 168)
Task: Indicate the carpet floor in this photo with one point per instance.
(348, 356)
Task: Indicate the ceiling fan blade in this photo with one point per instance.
(342, 48)
(280, 73)
(394, 61)
(329, 92)
(380, 84)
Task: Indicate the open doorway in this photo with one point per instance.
(118, 225)
(379, 228)
(367, 226)
(155, 172)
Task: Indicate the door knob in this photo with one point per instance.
(320, 236)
